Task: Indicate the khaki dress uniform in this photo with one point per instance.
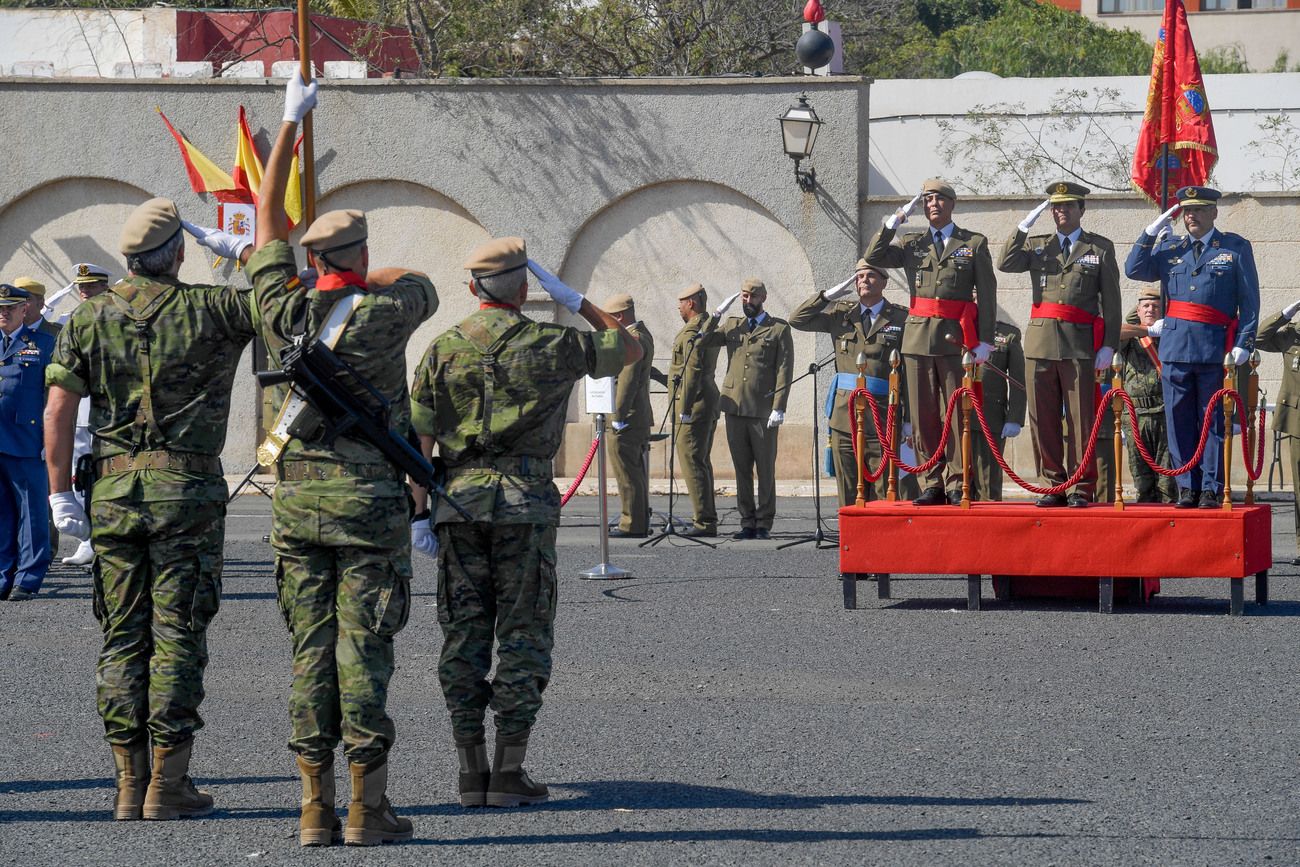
(691, 373)
(1003, 403)
(760, 364)
(842, 320)
(1061, 375)
(932, 346)
(1279, 334)
(632, 408)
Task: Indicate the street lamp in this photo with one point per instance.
(799, 127)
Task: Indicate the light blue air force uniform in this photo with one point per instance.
(1222, 277)
(24, 490)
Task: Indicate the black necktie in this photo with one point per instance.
(938, 243)
(1065, 248)
(5, 350)
(753, 323)
(1197, 249)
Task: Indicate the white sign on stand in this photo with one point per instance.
(600, 396)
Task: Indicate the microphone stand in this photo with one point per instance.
(670, 529)
(819, 537)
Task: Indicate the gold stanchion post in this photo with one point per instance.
(967, 404)
(860, 443)
(1117, 406)
(1252, 419)
(1229, 380)
(896, 401)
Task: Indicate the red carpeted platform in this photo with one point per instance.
(882, 539)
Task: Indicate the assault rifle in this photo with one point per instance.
(330, 386)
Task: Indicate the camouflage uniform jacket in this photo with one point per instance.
(1141, 376)
(493, 393)
(158, 359)
(373, 342)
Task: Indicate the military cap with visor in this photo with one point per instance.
(335, 230)
(1066, 191)
(11, 295)
(1198, 197)
(88, 273)
(149, 227)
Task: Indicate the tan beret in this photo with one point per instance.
(149, 227)
(753, 284)
(943, 188)
(335, 230)
(690, 291)
(1152, 292)
(864, 265)
(32, 287)
(617, 303)
(497, 256)
(88, 273)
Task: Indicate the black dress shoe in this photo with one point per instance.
(1051, 501)
(1077, 501)
(746, 533)
(619, 533)
(700, 532)
(954, 498)
(1210, 500)
(1186, 499)
(1295, 561)
(931, 497)
(760, 533)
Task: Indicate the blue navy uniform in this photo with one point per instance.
(24, 489)
(1222, 277)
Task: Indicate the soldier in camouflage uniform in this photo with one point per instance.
(340, 513)
(1004, 409)
(157, 358)
(1142, 381)
(491, 393)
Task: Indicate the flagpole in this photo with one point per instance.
(308, 154)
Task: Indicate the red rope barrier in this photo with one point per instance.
(582, 473)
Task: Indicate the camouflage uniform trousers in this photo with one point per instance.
(157, 586)
(1151, 486)
(343, 577)
(495, 578)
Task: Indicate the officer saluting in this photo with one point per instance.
(953, 307)
(1211, 299)
(630, 434)
(1073, 332)
(1278, 333)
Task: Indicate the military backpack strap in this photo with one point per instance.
(140, 304)
(480, 336)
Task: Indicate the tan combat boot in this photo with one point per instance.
(371, 819)
(474, 774)
(510, 785)
(318, 825)
(171, 793)
(132, 763)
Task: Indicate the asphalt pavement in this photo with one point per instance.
(721, 707)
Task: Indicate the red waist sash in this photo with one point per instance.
(1070, 313)
(1193, 312)
(965, 312)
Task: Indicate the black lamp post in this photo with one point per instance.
(799, 128)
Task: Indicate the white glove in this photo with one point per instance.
(224, 244)
(982, 352)
(1162, 221)
(899, 217)
(722, 308)
(1028, 222)
(1239, 356)
(570, 299)
(686, 419)
(1010, 430)
(1154, 329)
(775, 419)
(422, 538)
(69, 517)
(1104, 357)
(841, 289)
(299, 98)
(618, 425)
(1288, 313)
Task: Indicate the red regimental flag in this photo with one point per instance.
(1177, 114)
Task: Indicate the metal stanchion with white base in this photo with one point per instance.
(605, 570)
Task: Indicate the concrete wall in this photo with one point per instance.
(1259, 34)
(78, 42)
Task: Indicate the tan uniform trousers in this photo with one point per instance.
(695, 467)
(986, 478)
(628, 455)
(1059, 440)
(753, 452)
(930, 380)
(846, 471)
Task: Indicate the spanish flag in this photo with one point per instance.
(248, 167)
(204, 175)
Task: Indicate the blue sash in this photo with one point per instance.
(848, 382)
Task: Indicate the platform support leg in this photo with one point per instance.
(882, 585)
(1261, 587)
(1238, 603)
(1106, 595)
(850, 581)
(973, 592)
